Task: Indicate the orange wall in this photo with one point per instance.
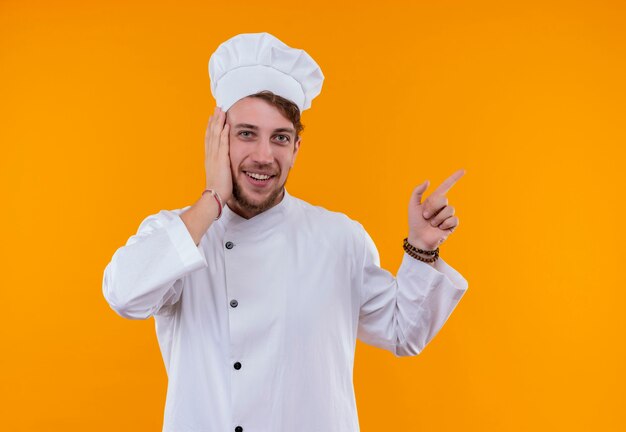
(103, 106)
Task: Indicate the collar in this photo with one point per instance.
(269, 217)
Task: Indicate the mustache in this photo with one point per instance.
(263, 169)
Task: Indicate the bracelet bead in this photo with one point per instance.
(414, 252)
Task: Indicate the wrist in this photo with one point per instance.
(418, 243)
(211, 195)
(428, 256)
(222, 192)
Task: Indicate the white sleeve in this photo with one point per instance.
(404, 313)
(145, 275)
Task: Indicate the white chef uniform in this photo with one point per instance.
(258, 324)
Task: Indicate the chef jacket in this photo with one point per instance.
(257, 325)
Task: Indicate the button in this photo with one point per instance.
(237, 365)
(238, 429)
(230, 245)
(234, 303)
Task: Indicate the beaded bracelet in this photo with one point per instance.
(414, 251)
(218, 199)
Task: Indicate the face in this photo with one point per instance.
(262, 143)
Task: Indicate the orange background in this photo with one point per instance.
(103, 106)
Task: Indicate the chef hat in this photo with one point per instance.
(251, 62)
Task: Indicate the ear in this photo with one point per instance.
(295, 150)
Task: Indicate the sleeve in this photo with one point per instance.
(145, 276)
(404, 313)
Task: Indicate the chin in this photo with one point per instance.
(258, 201)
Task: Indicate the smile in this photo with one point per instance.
(257, 176)
(257, 179)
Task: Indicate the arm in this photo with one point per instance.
(199, 217)
(145, 275)
(403, 314)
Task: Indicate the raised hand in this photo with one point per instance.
(431, 222)
(216, 155)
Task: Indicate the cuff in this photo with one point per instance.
(190, 255)
(428, 273)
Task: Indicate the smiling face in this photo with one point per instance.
(262, 151)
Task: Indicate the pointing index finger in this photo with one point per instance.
(448, 183)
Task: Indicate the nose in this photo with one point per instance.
(262, 153)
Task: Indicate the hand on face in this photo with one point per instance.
(216, 155)
(431, 222)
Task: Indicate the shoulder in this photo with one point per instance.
(160, 219)
(327, 223)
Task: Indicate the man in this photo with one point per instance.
(258, 297)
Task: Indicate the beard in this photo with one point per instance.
(244, 201)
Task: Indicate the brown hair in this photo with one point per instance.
(287, 108)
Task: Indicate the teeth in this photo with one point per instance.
(258, 176)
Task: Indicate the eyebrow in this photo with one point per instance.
(256, 128)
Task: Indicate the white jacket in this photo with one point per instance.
(258, 324)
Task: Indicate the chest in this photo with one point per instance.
(283, 282)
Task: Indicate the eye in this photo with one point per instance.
(245, 132)
(285, 138)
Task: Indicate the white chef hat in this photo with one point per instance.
(251, 62)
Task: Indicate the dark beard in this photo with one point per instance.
(248, 205)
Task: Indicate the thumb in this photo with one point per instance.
(419, 191)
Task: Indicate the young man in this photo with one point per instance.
(259, 297)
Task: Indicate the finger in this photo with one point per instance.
(444, 214)
(220, 127)
(209, 127)
(212, 137)
(224, 143)
(207, 136)
(448, 183)
(416, 196)
(433, 204)
(218, 122)
(450, 223)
